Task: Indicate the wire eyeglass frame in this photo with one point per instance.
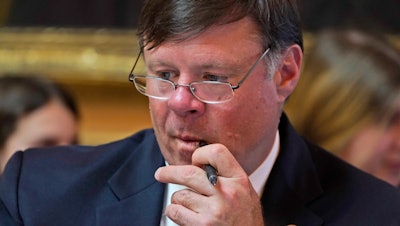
(192, 86)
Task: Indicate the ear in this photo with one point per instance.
(288, 73)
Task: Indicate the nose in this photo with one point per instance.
(183, 102)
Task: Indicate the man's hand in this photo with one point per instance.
(232, 201)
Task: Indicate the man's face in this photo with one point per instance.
(246, 124)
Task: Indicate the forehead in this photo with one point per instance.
(239, 34)
(53, 116)
(51, 121)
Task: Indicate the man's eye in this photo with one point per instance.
(165, 75)
(217, 78)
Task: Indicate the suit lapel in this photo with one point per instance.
(140, 196)
(292, 184)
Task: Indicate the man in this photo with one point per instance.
(218, 73)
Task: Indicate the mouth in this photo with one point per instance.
(183, 147)
(188, 142)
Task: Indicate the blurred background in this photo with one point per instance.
(89, 47)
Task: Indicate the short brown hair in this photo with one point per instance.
(161, 20)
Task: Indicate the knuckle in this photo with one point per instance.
(173, 212)
(232, 194)
(181, 196)
(218, 149)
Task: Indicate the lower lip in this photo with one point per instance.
(188, 144)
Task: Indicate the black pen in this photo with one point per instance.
(210, 170)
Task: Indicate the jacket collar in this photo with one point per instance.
(137, 173)
(293, 182)
(135, 187)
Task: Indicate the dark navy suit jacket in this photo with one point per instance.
(114, 185)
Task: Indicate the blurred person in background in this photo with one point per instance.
(34, 112)
(348, 100)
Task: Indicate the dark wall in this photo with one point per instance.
(381, 15)
(316, 14)
(74, 13)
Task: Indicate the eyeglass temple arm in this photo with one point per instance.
(134, 65)
(251, 69)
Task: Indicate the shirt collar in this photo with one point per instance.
(259, 177)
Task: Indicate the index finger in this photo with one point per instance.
(218, 156)
(190, 176)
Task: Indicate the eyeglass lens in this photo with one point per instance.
(206, 91)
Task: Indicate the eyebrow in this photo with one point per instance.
(209, 65)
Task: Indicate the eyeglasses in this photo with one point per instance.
(210, 92)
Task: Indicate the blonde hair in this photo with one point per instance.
(350, 79)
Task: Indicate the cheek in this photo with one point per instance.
(252, 114)
(156, 111)
(262, 103)
(158, 115)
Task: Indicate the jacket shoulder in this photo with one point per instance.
(370, 199)
(329, 187)
(42, 176)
